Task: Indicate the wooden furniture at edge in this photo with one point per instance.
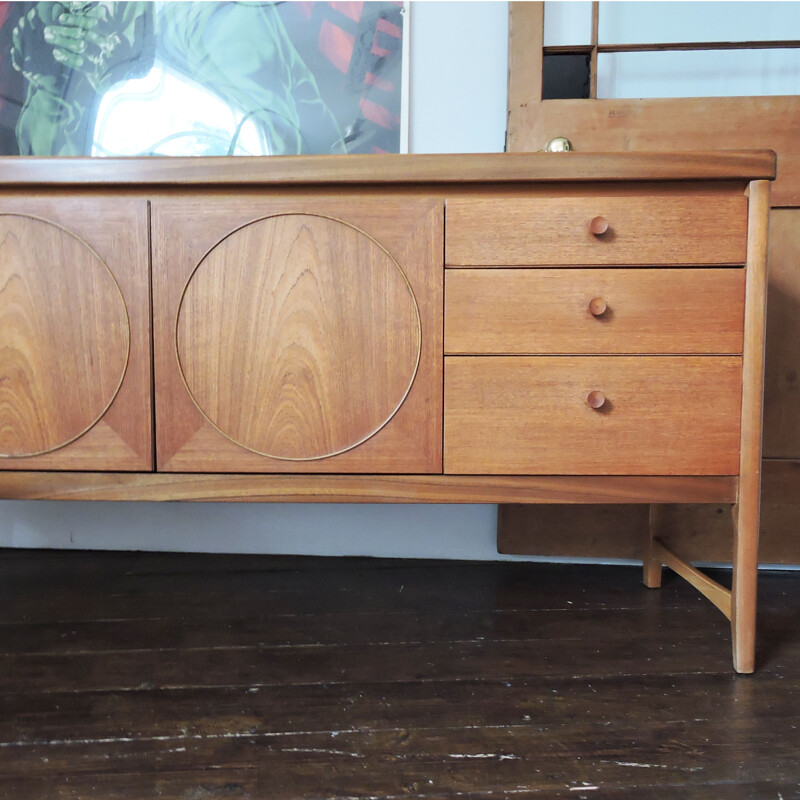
(649, 124)
(526, 328)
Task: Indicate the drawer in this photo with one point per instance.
(521, 311)
(529, 415)
(679, 229)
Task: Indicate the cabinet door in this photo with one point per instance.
(298, 333)
(75, 388)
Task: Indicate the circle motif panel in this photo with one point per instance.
(298, 336)
(64, 336)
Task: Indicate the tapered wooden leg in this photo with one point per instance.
(746, 511)
(651, 561)
(745, 578)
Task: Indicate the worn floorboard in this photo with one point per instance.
(130, 676)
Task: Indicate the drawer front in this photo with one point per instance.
(677, 229)
(531, 311)
(669, 415)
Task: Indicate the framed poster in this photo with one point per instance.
(202, 78)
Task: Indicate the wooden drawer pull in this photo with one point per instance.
(595, 400)
(598, 226)
(597, 306)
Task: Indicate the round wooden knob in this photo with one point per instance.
(598, 226)
(597, 306)
(595, 400)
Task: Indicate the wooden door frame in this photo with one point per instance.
(695, 123)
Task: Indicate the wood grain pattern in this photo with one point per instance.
(787, 194)
(310, 678)
(645, 230)
(391, 169)
(544, 311)
(65, 337)
(366, 488)
(666, 124)
(782, 378)
(75, 318)
(717, 594)
(669, 124)
(699, 532)
(525, 57)
(748, 507)
(250, 308)
(298, 337)
(527, 415)
(651, 558)
(599, 531)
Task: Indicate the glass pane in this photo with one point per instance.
(653, 22)
(567, 23)
(699, 73)
(201, 78)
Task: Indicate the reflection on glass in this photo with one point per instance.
(701, 73)
(193, 78)
(166, 114)
(715, 21)
(567, 23)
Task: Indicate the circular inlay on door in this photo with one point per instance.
(64, 336)
(298, 336)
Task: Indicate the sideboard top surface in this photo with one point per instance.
(389, 169)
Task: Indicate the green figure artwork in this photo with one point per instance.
(82, 62)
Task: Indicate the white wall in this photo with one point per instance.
(459, 72)
(457, 104)
(703, 73)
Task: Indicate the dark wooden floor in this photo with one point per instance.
(200, 677)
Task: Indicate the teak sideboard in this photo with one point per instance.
(536, 328)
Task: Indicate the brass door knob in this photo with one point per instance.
(597, 306)
(598, 226)
(558, 145)
(595, 400)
